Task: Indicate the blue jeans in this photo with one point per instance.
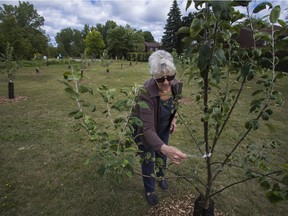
(148, 167)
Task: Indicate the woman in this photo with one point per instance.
(158, 121)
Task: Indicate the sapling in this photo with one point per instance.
(223, 70)
(10, 66)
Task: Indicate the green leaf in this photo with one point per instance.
(84, 89)
(65, 83)
(221, 9)
(87, 104)
(70, 91)
(199, 3)
(66, 74)
(136, 121)
(262, 36)
(257, 92)
(204, 57)
(216, 75)
(250, 174)
(78, 115)
(129, 173)
(262, 6)
(131, 150)
(257, 52)
(250, 75)
(282, 23)
(245, 70)
(275, 14)
(196, 26)
(120, 105)
(188, 4)
(265, 116)
(265, 185)
(269, 111)
(279, 75)
(248, 125)
(255, 125)
(143, 104)
(243, 3)
(220, 56)
(73, 113)
(274, 196)
(183, 30)
(119, 120)
(218, 7)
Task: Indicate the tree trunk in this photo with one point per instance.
(11, 90)
(180, 89)
(199, 209)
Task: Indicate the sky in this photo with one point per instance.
(147, 15)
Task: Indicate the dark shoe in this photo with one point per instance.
(152, 198)
(163, 184)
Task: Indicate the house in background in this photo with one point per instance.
(245, 38)
(152, 46)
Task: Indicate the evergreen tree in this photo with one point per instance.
(170, 40)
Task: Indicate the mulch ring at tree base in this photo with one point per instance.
(4, 100)
(170, 207)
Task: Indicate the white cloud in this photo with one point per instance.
(148, 15)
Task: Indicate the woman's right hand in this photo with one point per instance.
(174, 154)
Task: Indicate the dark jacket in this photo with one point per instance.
(147, 134)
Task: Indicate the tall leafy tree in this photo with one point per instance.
(70, 42)
(103, 29)
(94, 44)
(118, 43)
(138, 41)
(170, 40)
(122, 40)
(64, 40)
(78, 45)
(85, 31)
(148, 37)
(20, 26)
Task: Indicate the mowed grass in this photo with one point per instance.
(42, 159)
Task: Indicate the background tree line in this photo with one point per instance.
(21, 27)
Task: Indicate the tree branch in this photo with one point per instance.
(242, 181)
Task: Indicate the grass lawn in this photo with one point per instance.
(42, 159)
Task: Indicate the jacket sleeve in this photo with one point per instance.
(147, 116)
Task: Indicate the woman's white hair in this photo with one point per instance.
(161, 64)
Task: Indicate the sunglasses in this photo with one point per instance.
(168, 78)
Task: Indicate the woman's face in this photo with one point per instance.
(164, 83)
